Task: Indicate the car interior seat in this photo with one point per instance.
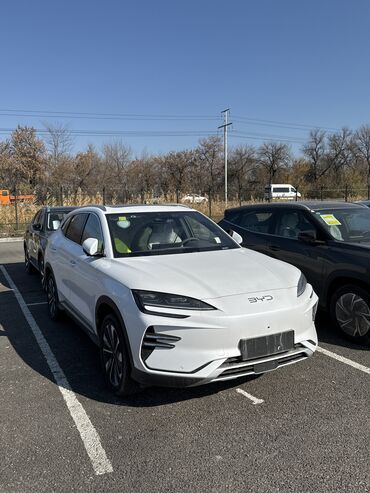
(335, 232)
(162, 233)
(289, 225)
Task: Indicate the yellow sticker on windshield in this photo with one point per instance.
(330, 219)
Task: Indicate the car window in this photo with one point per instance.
(199, 230)
(41, 218)
(281, 189)
(65, 225)
(291, 223)
(259, 221)
(165, 233)
(54, 219)
(93, 229)
(75, 227)
(36, 218)
(351, 225)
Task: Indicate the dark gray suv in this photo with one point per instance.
(328, 241)
(45, 222)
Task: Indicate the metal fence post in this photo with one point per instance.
(103, 195)
(346, 194)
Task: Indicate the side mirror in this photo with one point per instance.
(90, 246)
(36, 227)
(309, 237)
(236, 236)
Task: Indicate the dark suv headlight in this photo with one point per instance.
(302, 283)
(147, 299)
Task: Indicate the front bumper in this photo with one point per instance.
(208, 349)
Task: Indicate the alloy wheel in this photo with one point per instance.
(52, 300)
(112, 355)
(353, 314)
(42, 272)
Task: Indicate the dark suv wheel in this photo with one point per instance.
(115, 358)
(52, 297)
(29, 268)
(350, 311)
(42, 272)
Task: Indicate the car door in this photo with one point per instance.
(35, 229)
(67, 249)
(84, 276)
(254, 225)
(285, 245)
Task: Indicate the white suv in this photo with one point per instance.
(172, 299)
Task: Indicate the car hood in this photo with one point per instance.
(204, 275)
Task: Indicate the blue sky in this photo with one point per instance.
(303, 61)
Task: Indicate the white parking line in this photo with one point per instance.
(344, 360)
(251, 397)
(89, 435)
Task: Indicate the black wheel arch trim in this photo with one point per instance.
(105, 300)
(340, 279)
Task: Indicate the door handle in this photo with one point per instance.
(53, 249)
(274, 248)
(72, 262)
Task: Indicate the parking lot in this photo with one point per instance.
(305, 427)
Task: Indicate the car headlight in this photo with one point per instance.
(152, 299)
(302, 283)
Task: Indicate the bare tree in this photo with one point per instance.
(59, 141)
(362, 147)
(340, 152)
(23, 158)
(315, 152)
(241, 165)
(209, 157)
(177, 166)
(274, 156)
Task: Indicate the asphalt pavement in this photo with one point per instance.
(302, 428)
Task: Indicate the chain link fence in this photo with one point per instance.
(15, 216)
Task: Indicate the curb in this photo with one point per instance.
(8, 240)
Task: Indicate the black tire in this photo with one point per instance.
(114, 357)
(52, 297)
(42, 272)
(28, 267)
(350, 312)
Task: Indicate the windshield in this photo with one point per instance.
(54, 219)
(351, 225)
(159, 233)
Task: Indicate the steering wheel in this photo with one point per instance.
(187, 240)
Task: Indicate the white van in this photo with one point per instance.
(281, 191)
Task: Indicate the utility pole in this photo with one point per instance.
(224, 126)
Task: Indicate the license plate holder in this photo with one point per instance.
(260, 347)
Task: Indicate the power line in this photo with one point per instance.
(131, 133)
(102, 116)
(274, 123)
(154, 117)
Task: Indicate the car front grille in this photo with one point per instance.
(234, 367)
